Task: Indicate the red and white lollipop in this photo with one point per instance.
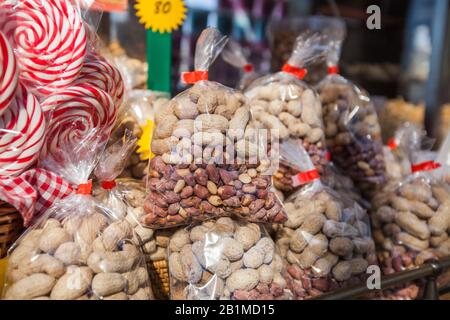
(22, 129)
(50, 42)
(74, 112)
(101, 74)
(8, 73)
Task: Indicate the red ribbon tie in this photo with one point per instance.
(248, 68)
(305, 177)
(425, 166)
(298, 72)
(392, 144)
(108, 185)
(192, 77)
(333, 70)
(85, 188)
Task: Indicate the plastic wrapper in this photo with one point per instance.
(352, 131)
(138, 117)
(396, 157)
(225, 259)
(287, 106)
(208, 161)
(326, 240)
(410, 220)
(443, 157)
(78, 249)
(283, 33)
(235, 56)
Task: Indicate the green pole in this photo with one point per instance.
(159, 58)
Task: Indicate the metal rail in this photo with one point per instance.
(429, 271)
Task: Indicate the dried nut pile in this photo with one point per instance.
(293, 111)
(183, 191)
(326, 245)
(355, 144)
(224, 259)
(412, 224)
(82, 257)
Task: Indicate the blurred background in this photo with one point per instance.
(405, 65)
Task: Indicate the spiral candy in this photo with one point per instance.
(101, 74)
(50, 41)
(22, 129)
(74, 112)
(8, 73)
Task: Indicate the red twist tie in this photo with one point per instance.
(333, 70)
(425, 166)
(392, 144)
(248, 68)
(305, 177)
(192, 77)
(85, 188)
(298, 72)
(108, 185)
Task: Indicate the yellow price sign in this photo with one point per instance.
(161, 15)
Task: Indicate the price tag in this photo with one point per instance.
(161, 15)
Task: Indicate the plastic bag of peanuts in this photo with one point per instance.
(352, 131)
(287, 106)
(234, 54)
(326, 241)
(125, 198)
(411, 220)
(396, 156)
(78, 249)
(225, 259)
(208, 161)
(291, 155)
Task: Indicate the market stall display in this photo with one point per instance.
(287, 106)
(411, 219)
(225, 259)
(352, 131)
(205, 165)
(326, 240)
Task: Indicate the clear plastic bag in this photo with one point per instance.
(235, 56)
(78, 249)
(353, 134)
(225, 260)
(395, 153)
(326, 240)
(109, 167)
(411, 220)
(283, 103)
(209, 162)
(282, 34)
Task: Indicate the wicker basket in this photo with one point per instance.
(11, 226)
(159, 276)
